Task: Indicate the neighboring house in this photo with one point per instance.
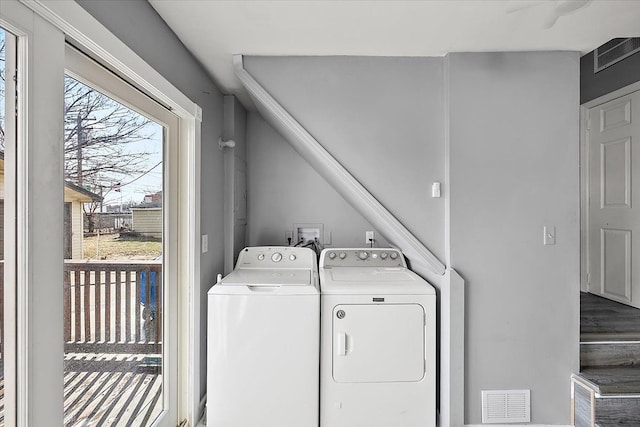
(74, 197)
(154, 199)
(147, 221)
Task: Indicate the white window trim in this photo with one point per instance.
(94, 38)
(9, 336)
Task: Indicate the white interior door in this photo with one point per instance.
(614, 185)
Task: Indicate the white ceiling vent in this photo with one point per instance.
(506, 406)
(613, 51)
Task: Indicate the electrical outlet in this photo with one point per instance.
(327, 237)
(288, 237)
(369, 237)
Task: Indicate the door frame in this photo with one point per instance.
(584, 177)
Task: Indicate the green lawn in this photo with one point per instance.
(112, 247)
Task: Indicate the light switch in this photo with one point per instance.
(549, 235)
(205, 243)
(435, 189)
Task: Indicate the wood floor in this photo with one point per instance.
(605, 320)
(606, 391)
(609, 336)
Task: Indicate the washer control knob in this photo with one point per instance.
(260, 257)
(343, 255)
(276, 257)
(384, 255)
(393, 255)
(363, 255)
(292, 257)
(332, 255)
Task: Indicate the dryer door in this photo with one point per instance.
(378, 343)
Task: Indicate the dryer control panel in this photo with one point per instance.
(363, 257)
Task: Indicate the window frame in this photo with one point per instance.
(10, 226)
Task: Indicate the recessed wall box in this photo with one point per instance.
(305, 233)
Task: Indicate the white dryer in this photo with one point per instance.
(263, 341)
(378, 351)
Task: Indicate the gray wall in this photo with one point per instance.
(284, 190)
(619, 75)
(382, 118)
(513, 142)
(514, 168)
(138, 25)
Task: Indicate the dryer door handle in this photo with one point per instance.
(341, 344)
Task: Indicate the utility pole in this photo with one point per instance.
(80, 132)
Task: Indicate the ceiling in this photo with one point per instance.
(214, 30)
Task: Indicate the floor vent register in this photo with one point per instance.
(506, 406)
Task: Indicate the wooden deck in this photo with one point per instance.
(111, 390)
(108, 390)
(113, 343)
(113, 346)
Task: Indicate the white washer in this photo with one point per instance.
(377, 364)
(263, 341)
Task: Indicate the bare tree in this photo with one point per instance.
(99, 132)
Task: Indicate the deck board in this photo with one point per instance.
(116, 390)
(108, 390)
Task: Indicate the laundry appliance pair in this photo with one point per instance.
(351, 344)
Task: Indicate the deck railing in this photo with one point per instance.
(112, 306)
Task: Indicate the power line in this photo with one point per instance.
(143, 174)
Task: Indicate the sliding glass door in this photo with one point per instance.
(118, 353)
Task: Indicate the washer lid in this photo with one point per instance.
(268, 277)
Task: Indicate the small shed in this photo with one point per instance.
(147, 221)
